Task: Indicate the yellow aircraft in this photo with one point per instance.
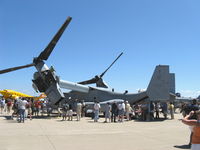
(14, 94)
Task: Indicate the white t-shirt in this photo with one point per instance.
(128, 107)
(121, 106)
(97, 106)
(22, 104)
(2, 102)
(79, 106)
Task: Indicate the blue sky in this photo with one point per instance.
(149, 32)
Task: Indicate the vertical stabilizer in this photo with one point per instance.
(159, 86)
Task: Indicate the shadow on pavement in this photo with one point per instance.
(155, 120)
(8, 117)
(182, 146)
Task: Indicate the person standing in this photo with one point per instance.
(78, 111)
(37, 107)
(157, 110)
(2, 103)
(70, 113)
(152, 107)
(43, 106)
(83, 108)
(164, 109)
(195, 123)
(136, 110)
(192, 107)
(22, 106)
(171, 109)
(127, 110)
(15, 109)
(96, 111)
(28, 107)
(9, 106)
(114, 112)
(65, 108)
(108, 112)
(121, 108)
(144, 111)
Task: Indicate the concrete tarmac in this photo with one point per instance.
(54, 134)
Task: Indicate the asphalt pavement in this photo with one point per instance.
(54, 134)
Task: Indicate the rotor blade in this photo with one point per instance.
(16, 68)
(47, 51)
(93, 80)
(111, 65)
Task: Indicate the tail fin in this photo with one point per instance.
(159, 86)
(172, 83)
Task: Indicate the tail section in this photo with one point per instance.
(172, 83)
(160, 84)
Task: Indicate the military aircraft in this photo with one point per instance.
(158, 90)
(14, 94)
(45, 80)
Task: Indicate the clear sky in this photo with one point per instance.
(149, 32)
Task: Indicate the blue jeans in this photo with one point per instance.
(21, 114)
(96, 115)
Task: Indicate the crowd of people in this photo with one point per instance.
(120, 111)
(68, 110)
(113, 112)
(5, 106)
(23, 108)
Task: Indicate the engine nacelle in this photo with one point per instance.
(46, 82)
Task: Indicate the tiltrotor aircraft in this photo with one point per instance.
(45, 80)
